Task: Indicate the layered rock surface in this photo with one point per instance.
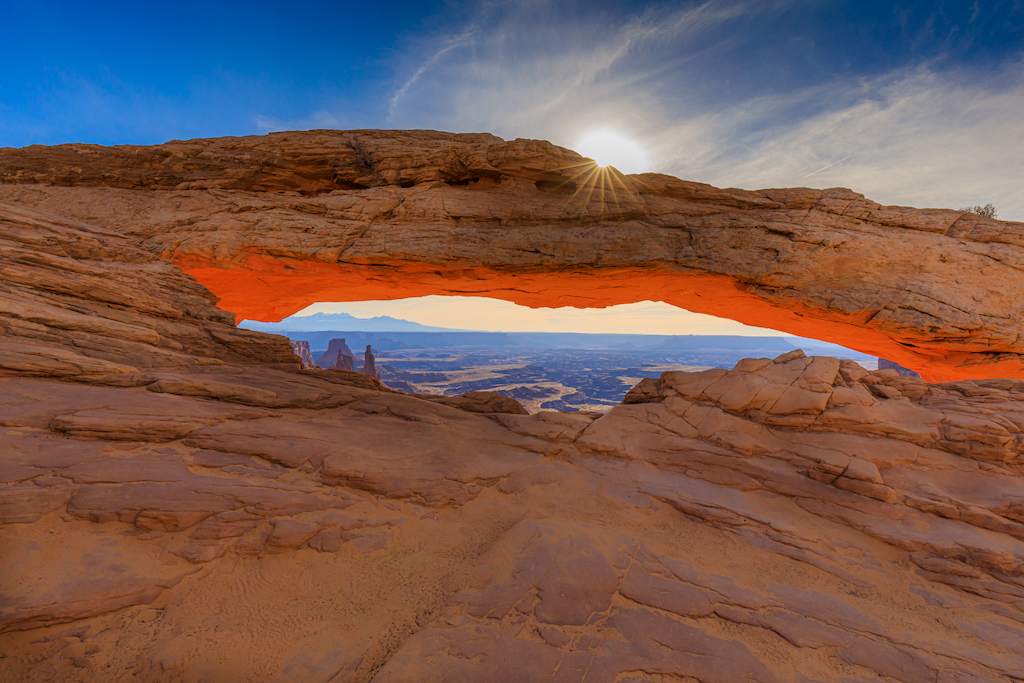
(77, 301)
(272, 224)
(181, 501)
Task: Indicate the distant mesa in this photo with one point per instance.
(394, 340)
(884, 364)
(335, 348)
(339, 356)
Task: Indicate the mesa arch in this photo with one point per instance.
(274, 223)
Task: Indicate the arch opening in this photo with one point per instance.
(272, 224)
(268, 289)
(566, 359)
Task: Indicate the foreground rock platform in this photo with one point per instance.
(181, 500)
(274, 223)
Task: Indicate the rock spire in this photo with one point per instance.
(330, 356)
(344, 362)
(369, 366)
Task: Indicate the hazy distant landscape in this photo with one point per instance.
(543, 370)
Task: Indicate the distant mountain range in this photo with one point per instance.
(385, 332)
(322, 322)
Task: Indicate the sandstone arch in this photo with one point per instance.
(273, 223)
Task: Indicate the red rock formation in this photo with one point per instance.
(331, 355)
(369, 366)
(180, 500)
(301, 349)
(275, 223)
(344, 361)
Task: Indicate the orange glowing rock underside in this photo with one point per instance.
(273, 223)
(270, 290)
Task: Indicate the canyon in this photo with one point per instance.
(185, 500)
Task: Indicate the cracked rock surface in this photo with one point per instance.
(181, 500)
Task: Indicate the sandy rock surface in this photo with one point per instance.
(181, 500)
(272, 224)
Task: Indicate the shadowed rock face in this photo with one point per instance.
(272, 224)
(181, 501)
(301, 349)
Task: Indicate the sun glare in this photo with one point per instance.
(610, 148)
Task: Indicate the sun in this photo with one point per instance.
(610, 148)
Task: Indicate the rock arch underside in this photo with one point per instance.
(273, 224)
(180, 500)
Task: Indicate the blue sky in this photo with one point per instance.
(144, 73)
(909, 102)
(919, 102)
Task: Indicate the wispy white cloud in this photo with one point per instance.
(917, 136)
(825, 168)
(318, 119)
(449, 44)
(528, 69)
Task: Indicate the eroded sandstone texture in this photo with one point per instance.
(272, 224)
(181, 501)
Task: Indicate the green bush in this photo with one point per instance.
(987, 211)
